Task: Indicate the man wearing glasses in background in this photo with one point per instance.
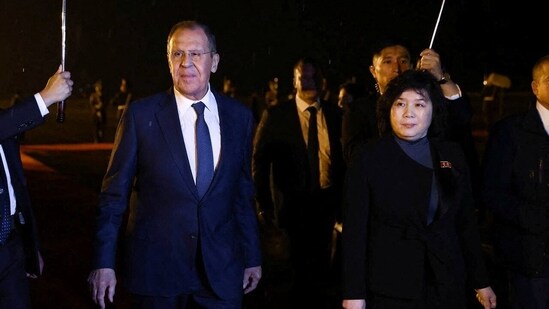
(192, 234)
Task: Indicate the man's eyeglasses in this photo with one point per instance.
(193, 54)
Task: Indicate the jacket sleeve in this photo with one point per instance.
(19, 118)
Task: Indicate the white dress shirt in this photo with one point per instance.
(324, 154)
(187, 119)
(544, 115)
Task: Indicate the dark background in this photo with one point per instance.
(259, 40)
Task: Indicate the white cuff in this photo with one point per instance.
(455, 96)
(41, 104)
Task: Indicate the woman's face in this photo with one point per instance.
(411, 115)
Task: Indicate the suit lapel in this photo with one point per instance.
(333, 125)
(168, 121)
(294, 125)
(226, 135)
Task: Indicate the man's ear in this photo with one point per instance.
(215, 62)
(372, 71)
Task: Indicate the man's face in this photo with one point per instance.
(307, 83)
(389, 63)
(540, 86)
(191, 62)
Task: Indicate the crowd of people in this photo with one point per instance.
(378, 193)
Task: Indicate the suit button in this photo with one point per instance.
(193, 236)
(1, 190)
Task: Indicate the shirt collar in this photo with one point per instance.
(544, 115)
(208, 100)
(302, 105)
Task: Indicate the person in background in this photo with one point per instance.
(192, 235)
(410, 234)
(20, 257)
(349, 92)
(271, 98)
(271, 95)
(297, 146)
(122, 97)
(229, 89)
(98, 112)
(516, 192)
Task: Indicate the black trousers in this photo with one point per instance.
(14, 285)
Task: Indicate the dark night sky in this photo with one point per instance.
(258, 40)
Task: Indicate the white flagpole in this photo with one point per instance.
(436, 25)
(61, 105)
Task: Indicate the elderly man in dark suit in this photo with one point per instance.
(192, 236)
(516, 191)
(299, 143)
(19, 245)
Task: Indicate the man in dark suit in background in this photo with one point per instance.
(19, 246)
(306, 183)
(516, 191)
(186, 240)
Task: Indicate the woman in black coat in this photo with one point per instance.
(410, 234)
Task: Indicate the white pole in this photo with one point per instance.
(436, 25)
(61, 105)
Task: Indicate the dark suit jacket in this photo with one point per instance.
(281, 150)
(386, 241)
(168, 224)
(516, 190)
(13, 121)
